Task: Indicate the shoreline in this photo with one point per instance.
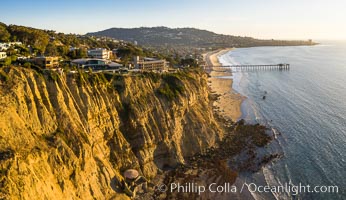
(228, 105)
(234, 154)
(228, 102)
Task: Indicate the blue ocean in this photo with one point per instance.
(305, 107)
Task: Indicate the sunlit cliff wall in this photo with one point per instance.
(68, 136)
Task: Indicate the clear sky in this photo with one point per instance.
(278, 19)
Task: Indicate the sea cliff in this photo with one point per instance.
(67, 136)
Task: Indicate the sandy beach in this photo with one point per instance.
(228, 102)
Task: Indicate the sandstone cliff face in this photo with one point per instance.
(69, 136)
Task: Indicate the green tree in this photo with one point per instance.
(27, 65)
(40, 40)
(14, 38)
(22, 50)
(81, 53)
(4, 34)
(13, 58)
(34, 37)
(189, 62)
(7, 61)
(11, 51)
(63, 50)
(77, 53)
(51, 50)
(72, 54)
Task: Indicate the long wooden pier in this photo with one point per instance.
(281, 66)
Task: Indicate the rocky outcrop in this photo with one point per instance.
(69, 136)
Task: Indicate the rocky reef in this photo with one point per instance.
(238, 152)
(68, 136)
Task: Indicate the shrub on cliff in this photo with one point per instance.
(4, 76)
(174, 81)
(166, 91)
(171, 86)
(155, 77)
(52, 75)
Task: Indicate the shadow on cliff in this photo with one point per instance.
(165, 157)
(116, 185)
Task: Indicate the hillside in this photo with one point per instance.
(188, 37)
(68, 46)
(50, 42)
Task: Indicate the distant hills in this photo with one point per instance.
(188, 37)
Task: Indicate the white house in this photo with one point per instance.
(2, 55)
(5, 46)
(99, 53)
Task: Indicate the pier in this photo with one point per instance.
(281, 66)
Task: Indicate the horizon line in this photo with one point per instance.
(184, 27)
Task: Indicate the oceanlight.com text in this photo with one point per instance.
(290, 188)
(287, 188)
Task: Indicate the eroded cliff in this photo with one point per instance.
(69, 136)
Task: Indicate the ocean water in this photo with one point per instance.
(306, 108)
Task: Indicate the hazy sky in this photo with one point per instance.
(278, 19)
